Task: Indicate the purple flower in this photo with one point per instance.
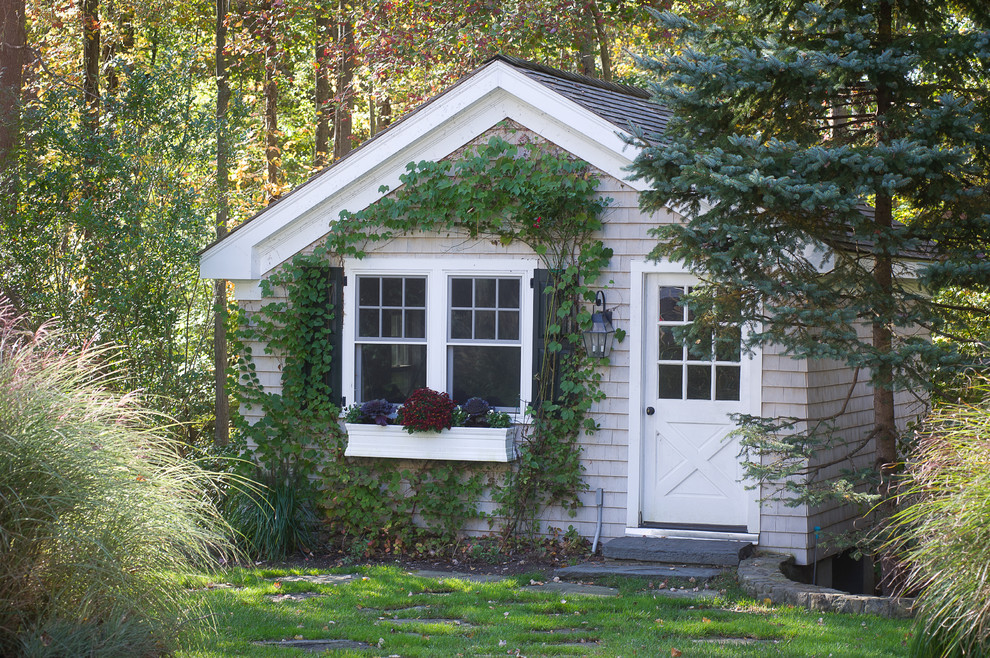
(377, 411)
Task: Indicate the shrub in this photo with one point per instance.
(427, 410)
(942, 535)
(275, 518)
(96, 509)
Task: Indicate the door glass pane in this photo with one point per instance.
(670, 381)
(699, 382)
(670, 348)
(727, 343)
(700, 349)
(391, 372)
(491, 373)
(670, 306)
(726, 382)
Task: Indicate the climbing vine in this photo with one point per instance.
(525, 192)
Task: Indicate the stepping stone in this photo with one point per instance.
(731, 640)
(406, 609)
(297, 596)
(211, 586)
(318, 579)
(471, 577)
(574, 589)
(314, 646)
(591, 570)
(427, 620)
(686, 593)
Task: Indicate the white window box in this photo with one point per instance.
(476, 444)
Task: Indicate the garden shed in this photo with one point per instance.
(462, 313)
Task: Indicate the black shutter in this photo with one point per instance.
(335, 378)
(546, 375)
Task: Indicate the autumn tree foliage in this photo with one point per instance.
(138, 132)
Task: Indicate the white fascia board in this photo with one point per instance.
(493, 94)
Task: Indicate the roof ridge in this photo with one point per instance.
(617, 87)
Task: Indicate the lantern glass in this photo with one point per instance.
(598, 339)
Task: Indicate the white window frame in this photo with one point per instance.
(438, 271)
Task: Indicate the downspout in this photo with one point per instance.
(599, 501)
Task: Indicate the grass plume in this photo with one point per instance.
(97, 509)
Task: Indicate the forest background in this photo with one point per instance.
(132, 134)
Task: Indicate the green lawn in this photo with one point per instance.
(507, 618)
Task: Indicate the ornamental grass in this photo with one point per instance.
(97, 511)
(944, 534)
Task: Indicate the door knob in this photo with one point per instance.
(650, 411)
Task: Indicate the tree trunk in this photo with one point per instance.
(345, 82)
(884, 416)
(604, 47)
(221, 404)
(121, 43)
(384, 112)
(272, 151)
(13, 50)
(322, 101)
(91, 64)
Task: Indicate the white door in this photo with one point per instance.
(691, 477)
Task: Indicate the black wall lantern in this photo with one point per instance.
(598, 339)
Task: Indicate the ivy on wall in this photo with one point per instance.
(499, 191)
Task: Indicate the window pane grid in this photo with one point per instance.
(391, 309)
(483, 339)
(707, 370)
(484, 311)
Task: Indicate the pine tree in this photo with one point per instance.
(821, 153)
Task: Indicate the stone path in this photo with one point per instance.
(573, 589)
(318, 579)
(457, 575)
(293, 596)
(314, 646)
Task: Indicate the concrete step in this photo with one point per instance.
(593, 570)
(720, 553)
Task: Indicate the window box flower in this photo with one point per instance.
(481, 444)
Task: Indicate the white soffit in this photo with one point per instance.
(497, 92)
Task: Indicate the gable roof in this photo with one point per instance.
(588, 117)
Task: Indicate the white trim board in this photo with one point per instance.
(494, 93)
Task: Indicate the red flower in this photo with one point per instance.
(427, 410)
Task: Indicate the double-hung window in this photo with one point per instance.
(456, 326)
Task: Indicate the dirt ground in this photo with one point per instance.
(517, 561)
